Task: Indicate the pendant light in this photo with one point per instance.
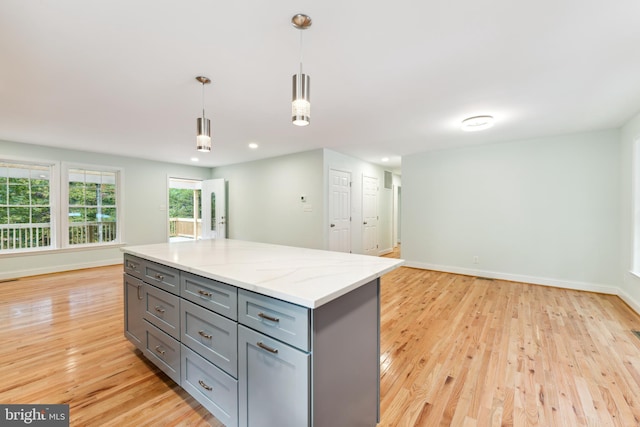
(301, 102)
(203, 125)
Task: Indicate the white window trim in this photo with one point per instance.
(54, 203)
(64, 203)
(58, 198)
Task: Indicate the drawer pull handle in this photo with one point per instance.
(267, 317)
(205, 335)
(204, 293)
(159, 276)
(204, 385)
(266, 347)
(160, 350)
(131, 265)
(160, 309)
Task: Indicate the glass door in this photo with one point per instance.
(214, 209)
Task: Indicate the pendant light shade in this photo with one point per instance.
(301, 104)
(203, 125)
(301, 100)
(203, 137)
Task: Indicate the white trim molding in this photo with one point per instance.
(534, 280)
(11, 275)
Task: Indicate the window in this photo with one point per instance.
(25, 206)
(41, 211)
(92, 206)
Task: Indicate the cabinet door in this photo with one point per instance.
(134, 296)
(273, 382)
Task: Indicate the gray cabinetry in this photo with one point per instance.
(211, 294)
(253, 360)
(134, 297)
(276, 318)
(163, 351)
(134, 266)
(162, 276)
(162, 309)
(274, 381)
(213, 336)
(152, 312)
(209, 385)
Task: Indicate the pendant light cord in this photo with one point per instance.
(301, 31)
(203, 102)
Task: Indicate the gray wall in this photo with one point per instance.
(630, 279)
(264, 200)
(144, 204)
(359, 169)
(542, 211)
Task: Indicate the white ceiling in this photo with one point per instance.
(387, 78)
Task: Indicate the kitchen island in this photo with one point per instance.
(259, 334)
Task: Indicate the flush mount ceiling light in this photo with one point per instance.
(203, 125)
(301, 102)
(475, 123)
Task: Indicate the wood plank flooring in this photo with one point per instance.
(455, 350)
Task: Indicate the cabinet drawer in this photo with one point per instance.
(163, 351)
(163, 310)
(210, 386)
(212, 336)
(134, 266)
(282, 320)
(211, 294)
(162, 276)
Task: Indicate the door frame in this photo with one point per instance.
(330, 205)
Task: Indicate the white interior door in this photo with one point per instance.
(339, 211)
(214, 209)
(370, 215)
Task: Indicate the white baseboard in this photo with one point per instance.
(7, 275)
(545, 281)
(635, 305)
(384, 251)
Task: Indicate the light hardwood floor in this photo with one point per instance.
(455, 350)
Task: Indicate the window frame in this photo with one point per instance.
(64, 204)
(59, 205)
(54, 222)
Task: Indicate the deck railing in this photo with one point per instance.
(185, 227)
(30, 236)
(24, 236)
(92, 232)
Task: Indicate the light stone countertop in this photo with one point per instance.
(307, 277)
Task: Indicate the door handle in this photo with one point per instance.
(333, 225)
(365, 223)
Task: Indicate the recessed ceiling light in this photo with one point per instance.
(385, 159)
(253, 145)
(475, 123)
(194, 159)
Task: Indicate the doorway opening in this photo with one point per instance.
(185, 209)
